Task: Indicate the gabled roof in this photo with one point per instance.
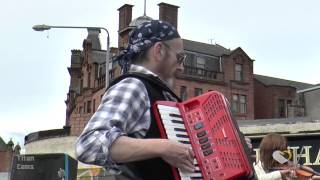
(271, 81)
(316, 87)
(242, 51)
(209, 49)
(3, 145)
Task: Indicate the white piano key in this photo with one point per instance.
(172, 131)
(167, 118)
(171, 114)
(173, 134)
(185, 174)
(185, 178)
(180, 139)
(168, 108)
(175, 125)
(172, 125)
(197, 168)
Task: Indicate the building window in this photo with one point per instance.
(289, 108)
(89, 107)
(239, 104)
(281, 108)
(183, 93)
(80, 110)
(238, 72)
(197, 91)
(94, 105)
(243, 104)
(100, 71)
(200, 65)
(89, 80)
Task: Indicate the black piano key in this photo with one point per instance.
(196, 178)
(182, 135)
(176, 121)
(197, 171)
(180, 129)
(175, 115)
(185, 142)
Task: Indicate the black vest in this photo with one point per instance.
(156, 168)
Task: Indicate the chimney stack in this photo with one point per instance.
(169, 13)
(125, 17)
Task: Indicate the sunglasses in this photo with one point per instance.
(181, 57)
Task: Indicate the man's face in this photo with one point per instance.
(174, 59)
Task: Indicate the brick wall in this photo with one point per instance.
(228, 86)
(5, 159)
(267, 99)
(78, 118)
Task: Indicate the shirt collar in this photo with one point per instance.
(141, 69)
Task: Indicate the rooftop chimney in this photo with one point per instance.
(169, 13)
(125, 16)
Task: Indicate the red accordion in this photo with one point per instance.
(206, 123)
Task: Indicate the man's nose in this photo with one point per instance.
(180, 68)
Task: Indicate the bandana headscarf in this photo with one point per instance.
(143, 37)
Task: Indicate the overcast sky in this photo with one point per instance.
(281, 36)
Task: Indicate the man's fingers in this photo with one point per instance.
(187, 167)
(190, 155)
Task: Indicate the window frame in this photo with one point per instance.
(238, 73)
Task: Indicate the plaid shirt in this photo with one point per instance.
(124, 109)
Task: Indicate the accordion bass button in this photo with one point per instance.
(198, 125)
(203, 140)
(201, 134)
(205, 146)
(207, 152)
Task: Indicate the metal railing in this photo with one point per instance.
(199, 73)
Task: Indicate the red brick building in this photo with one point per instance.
(208, 67)
(277, 98)
(7, 150)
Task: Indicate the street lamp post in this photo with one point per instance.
(44, 27)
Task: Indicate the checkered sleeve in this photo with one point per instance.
(124, 109)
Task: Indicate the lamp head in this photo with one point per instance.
(42, 27)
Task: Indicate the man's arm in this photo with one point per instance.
(126, 149)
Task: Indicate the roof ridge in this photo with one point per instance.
(284, 79)
(217, 45)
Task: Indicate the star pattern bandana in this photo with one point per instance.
(143, 37)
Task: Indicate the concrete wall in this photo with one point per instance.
(53, 145)
(312, 100)
(67, 145)
(298, 127)
(4, 176)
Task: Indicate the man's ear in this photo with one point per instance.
(158, 51)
